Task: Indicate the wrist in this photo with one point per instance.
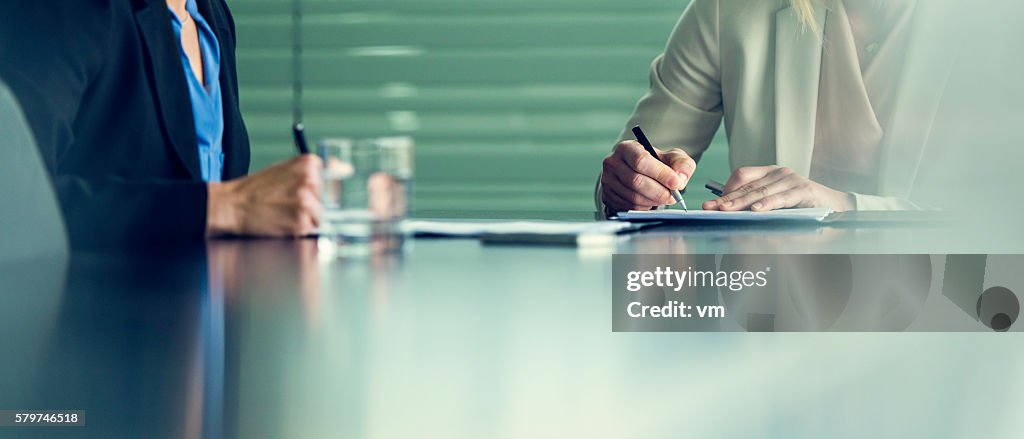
(221, 216)
(844, 201)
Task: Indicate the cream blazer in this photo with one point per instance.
(755, 64)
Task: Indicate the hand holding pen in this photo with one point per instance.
(635, 179)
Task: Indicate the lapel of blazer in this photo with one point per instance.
(931, 52)
(797, 71)
(167, 80)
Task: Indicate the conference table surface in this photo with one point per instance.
(454, 338)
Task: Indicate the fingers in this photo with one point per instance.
(307, 170)
(385, 196)
(637, 188)
(740, 179)
(748, 186)
(307, 160)
(746, 175)
(306, 204)
(310, 207)
(757, 196)
(305, 200)
(780, 200)
(337, 169)
(618, 204)
(629, 197)
(681, 162)
(773, 182)
(709, 205)
(633, 155)
(633, 179)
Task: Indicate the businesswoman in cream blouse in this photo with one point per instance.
(816, 110)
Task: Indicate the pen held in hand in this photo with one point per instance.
(640, 137)
(299, 133)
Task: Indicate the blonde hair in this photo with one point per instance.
(805, 10)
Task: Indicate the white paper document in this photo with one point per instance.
(470, 228)
(806, 214)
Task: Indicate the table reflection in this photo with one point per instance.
(275, 338)
(120, 341)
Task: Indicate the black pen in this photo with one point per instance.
(715, 187)
(640, 137)
(299, 133)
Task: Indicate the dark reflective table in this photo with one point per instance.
(451, 338)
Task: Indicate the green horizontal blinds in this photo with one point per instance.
(512, 103)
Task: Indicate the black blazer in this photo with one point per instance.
(103, 87)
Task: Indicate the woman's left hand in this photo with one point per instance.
(764, 188)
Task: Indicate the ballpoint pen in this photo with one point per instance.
(715, 187)
(299, 134)
(640, 137)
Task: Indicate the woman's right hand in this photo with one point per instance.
(633, 180)
(281, 200)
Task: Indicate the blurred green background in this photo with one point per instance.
(512, 103)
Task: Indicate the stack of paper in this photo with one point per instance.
(807, 214)
(473, 228)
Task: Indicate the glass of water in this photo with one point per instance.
(367, 188)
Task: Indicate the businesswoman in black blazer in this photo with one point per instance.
(134, 105)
